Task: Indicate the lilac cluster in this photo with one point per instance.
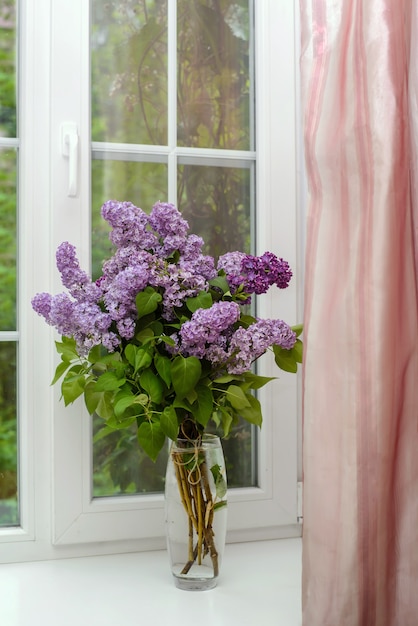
(144, 248)
(80, 319)
(248, 344)
(254, 274)
(208, 327)
(210, 334)
(155, 250)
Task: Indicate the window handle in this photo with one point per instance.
(69, 149)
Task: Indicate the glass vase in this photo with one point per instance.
(196, 511)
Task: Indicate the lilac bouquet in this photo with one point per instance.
(162, 339)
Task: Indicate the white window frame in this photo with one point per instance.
(58, 516)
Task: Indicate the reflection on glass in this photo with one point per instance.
(129, 71)
(120, 466)
(7, 68)
(216, 203)
(9, 514)
(213, 81)
(143, 184)
(7, 239)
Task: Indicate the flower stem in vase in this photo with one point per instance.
(197, 500)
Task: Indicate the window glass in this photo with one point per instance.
(216, 202)
(7, 68)
(132, 61)
(213, 78)
(129, 71)
(7, 238)
(9, 509)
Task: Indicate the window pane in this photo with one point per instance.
(8, 436)
(9, 513)
(7, 69)
(129, 71)
(213, 81)
(216, 202)
(120, 466)
(7, 239)
(130, 105)
(140, 183)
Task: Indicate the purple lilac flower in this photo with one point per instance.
(166, 220)
(83, 320)
(192, 259)
(278, 269)
(177, 285)
(206, 326)
(231, 262)
(255, 274)
(41, 304)
(121, 292)
(61, 314)
(128, 256)
(248, 344)
(73, 277)
(130, 225)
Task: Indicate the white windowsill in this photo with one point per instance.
(259, 584)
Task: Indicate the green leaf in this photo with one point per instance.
(203, 406)
(100, 402)
(163, 367)
(298, 351)
(298, 329)
(120, 423)
(226, 378)
(168, 340)
(203, 300)
(151, 438)
(122, 402)
(157, 328)
(109, 382)
(60, 371)
(221, 283)
(72, 386)
(130, 352)
(95, 354)
(285, 359)
(247, 320)
(185, 373)
(169, 423)
(143, 359)
(227, 420)
(67, 349)
(256, 381)
(138, 357)
(220, 482)
(147, 301)
(144, 335)
(152, 385)
(252, 413)
(236, 397)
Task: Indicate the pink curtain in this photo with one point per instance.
(360, 454)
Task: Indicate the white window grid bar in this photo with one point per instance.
(172, 101)
(9, 335)
(9, 142)
(252, 42)
(178, 155)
